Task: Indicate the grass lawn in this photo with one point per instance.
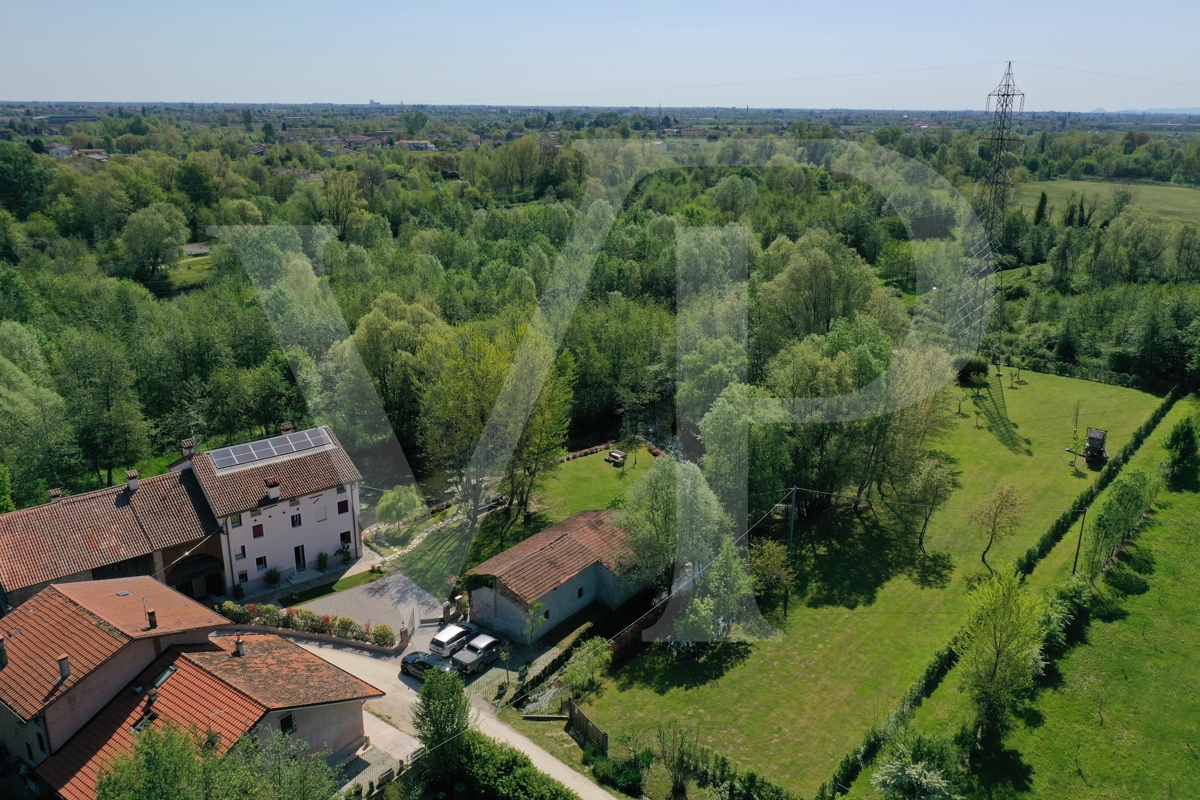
(1142, 742)
(340, 586)
(1178, 203)
(189, 273)
(584, 484)
(790, 707)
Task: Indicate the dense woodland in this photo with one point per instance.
(440, 257)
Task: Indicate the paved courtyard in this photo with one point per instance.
(391, 600)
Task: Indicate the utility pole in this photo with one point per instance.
(791, 533)
(1079, 544)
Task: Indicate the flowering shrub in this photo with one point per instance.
(302, 619)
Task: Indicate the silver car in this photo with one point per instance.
(452, 638)
(479, 652)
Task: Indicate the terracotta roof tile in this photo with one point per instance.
(125, 612)
(36, 633)
(88, 622)
(550, 558)
(190, 697)
(280, 674)
(95, 529)
(243, 488)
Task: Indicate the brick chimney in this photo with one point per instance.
(151, 618)
(239, 647)
(131, 480)
(273, 487)
(55, 495)
(187, 447)
(286, 427)
(64, 668)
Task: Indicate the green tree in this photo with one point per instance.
(196, 183)
(1125, 503)
(902, 778)
(441, 715)
(268, 132)
(542, 443)
(399, 503)
(1181, 444)
(6, 495)
(929, 487)
(24, 179)
(1001, 650)
(248, 119)
(591, 660)
(997, 516)
(722, 593)
(153, 236)
(769, 567)
(97, 382)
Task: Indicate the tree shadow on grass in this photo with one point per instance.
(1187, 477)
(995, 414)
(996, 770)
(661, 669)
(932, 570)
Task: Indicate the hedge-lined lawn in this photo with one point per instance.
(583, 484)
(792, 706)
(189, 273)
(1178, 203)
(1143, 664)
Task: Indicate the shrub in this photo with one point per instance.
(271, 615)
(344, 552)
(289, 621)
(383, 636)
(273, 576)
(252, 610)
(322, 561)
(968, 373)
(235, 612)
(345, 627)
(626, 774)
(327, 623)
(310, 621)
(399, 503)
(500, 772)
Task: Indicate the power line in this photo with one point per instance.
(1110, 74)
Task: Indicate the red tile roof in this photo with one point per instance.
(554, 556)
(127, 612)
(95, 529)
(242, 488)
(87, 622)
(192, 697)
(280, 674)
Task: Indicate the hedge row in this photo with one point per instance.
(1058, 529)
(1093, 373)
(852, 763)
(499, 772)
(587, 451)
(535, 681)
(301, 619)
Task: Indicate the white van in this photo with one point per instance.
(452, 638)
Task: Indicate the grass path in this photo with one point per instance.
(790, 707)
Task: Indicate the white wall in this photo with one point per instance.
(279, 538)
(334, 727)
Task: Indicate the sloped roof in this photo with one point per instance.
(95, 529)
(242, 488)
(548, 559)
(280, 674)
(87, 622)
(190, 697)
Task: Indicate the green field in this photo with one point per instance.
(189, 273)
(1121, 717)
(791, 707)
(1178, 203)
(581, 485)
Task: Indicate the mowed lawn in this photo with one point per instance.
(1178, 203)
(583, 484)
(790, 707)
(1124, 719)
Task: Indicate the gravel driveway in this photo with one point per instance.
(391, 600)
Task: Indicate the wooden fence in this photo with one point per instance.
(578, 725)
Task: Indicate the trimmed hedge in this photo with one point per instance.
(852, 763)
(534, 682)
(500, 772)
(1058, 529)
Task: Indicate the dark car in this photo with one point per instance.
(418, 663)
(479, 652)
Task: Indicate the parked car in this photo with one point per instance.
(479, 652)
(452, 638)
(418, 663)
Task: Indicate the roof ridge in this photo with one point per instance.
(185, 654)
(101, 622)
(75, 498)
(591, 521)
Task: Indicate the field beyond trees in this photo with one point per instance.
(1177, 203)
(791, 706)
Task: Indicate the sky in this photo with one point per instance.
(846, 54)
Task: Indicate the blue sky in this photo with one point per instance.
(615, 53)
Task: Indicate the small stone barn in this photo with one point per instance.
(566, 568)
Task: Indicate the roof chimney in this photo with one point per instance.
(3, 653)
(273, 487)
(239, 647)
(55, 495)
(64, 668)
(187, 447)
(151, 618)
(286, 427)
(131, 479)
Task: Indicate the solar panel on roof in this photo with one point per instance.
(269, 448)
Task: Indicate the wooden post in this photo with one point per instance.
(1079, 545)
